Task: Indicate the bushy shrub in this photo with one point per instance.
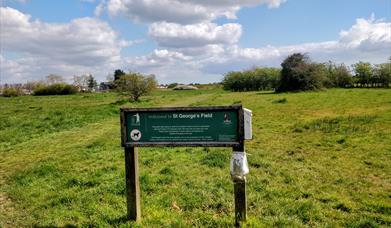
(338, 76)
(300, 74)
(364, 73)
(251, 80)
(382, 75)
(55, 89)
(12, 92)
(136, 85)
(368, 75)
(172, 85)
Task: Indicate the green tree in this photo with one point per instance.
(118, 74)
(364, 73)
(299, 74)
(266, 77)
(338, 76)
(172, 85)
(31, 85)
(55, 89)
(136, 85)
(234, 81)
(12, 92)
(91, 83)
(255, 79)
(382, 74)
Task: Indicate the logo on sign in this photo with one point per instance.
(135, 135)
(135, 121)
(227, 119)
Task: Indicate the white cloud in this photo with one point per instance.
(184, 12)
(99, 9)
(158, 58)
(82, 44)
(18, 69)
(32, 68)
(170, 55)
(367, 40)
(204, 51)
(83, 41)
(367, 35)
(169, 66)
(196, 35)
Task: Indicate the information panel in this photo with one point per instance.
(217, 126)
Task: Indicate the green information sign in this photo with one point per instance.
(184, 126)
(217, 126)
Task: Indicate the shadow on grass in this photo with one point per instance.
(266, 93)
(66, 226)
(119, 220)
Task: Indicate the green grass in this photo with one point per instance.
(317, 159)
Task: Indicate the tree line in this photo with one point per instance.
(131, 84)
(52, 84)
(299, 73)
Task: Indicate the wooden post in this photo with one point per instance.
(132, 183)
(240, 195)
(240, 202)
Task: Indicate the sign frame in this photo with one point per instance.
(240, 126)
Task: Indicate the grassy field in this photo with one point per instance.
(317, 159)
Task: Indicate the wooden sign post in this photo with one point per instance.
(218, 126)
(132, 183)
(240, 194)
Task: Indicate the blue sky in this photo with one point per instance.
(184, 41)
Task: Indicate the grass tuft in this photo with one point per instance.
(215, 158)
(280, 101)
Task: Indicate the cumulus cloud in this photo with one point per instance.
(196, 35)
(367, 40)
(184, 12)
(99, 9)
(158, 58)
(203, 51)
(18, 69)
(367, 35)
(170, 66)
(83, 41)
(25, 69)
(82, 44)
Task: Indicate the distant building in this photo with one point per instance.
(104, 86)
(162, 86)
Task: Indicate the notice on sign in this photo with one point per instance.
(182, 126)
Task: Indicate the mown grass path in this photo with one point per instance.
(317, 159)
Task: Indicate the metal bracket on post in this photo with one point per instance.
(132, 184)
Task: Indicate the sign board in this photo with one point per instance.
(183, 126)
